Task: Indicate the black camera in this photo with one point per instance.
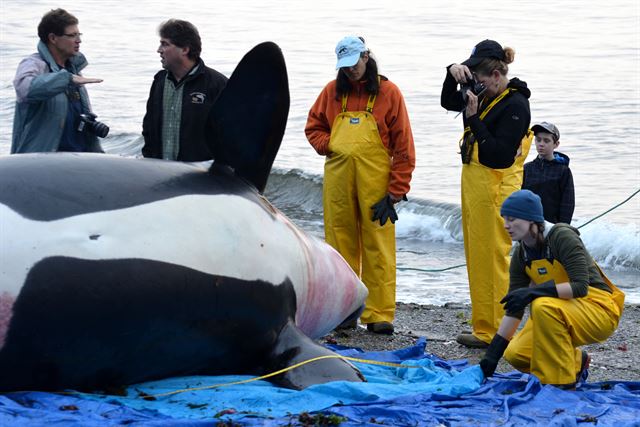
(473, 85)
(88, 122)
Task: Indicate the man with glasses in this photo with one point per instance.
(176, 125)
(50, 95)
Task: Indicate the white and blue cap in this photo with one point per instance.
(523, 204)
(348, 51)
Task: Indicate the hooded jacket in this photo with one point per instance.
(42, 103)
(553, 182)
(200, 92)
(500, 133)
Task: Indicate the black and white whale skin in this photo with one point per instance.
(115, 270)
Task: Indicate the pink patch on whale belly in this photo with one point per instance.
(322, 309)
(6, 310)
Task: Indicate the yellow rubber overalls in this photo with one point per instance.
(356, 176)
(486, 243)
(547, 344)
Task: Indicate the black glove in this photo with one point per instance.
(493, 355)
(518, 299)
(384, 210)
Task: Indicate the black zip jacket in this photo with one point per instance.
(500, 133)
(196, 134)
(553, 182)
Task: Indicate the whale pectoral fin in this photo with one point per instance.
(294, 347)
(250, 115)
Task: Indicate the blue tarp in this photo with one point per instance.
(439, 392)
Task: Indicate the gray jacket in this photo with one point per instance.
(41, 103)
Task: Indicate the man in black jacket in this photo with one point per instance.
(176, 125)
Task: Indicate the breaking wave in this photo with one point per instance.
(299, 195)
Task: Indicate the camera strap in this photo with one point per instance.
(468, 139)
(76, 99)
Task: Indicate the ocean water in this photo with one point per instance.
(580, 59)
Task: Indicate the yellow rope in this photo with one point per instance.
(297, 365)
(272, 374)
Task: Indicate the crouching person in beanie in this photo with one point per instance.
(571, 300)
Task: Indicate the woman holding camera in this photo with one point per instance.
(572, 302)
(494, 145)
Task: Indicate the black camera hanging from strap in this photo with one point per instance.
(466, 146)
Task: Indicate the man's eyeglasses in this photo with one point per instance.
(73, 35)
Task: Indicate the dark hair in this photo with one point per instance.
(487, 65)
(55, 21)
(538, 233)
(182, 34)
(343, 86)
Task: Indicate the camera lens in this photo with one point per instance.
(100, 129)
(474, 86)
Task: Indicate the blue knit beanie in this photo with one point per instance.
(523, 204)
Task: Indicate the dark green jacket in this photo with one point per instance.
(563, 244)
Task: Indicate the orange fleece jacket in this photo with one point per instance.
(391, 116)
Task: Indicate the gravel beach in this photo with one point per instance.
(618, 358)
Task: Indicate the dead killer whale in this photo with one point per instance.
(115, 270)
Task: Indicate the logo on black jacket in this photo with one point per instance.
(197, 97)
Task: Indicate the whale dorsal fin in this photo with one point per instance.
(250, 115)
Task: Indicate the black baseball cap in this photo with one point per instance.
(485, 49)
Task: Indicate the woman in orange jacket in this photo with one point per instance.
(360, 123)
